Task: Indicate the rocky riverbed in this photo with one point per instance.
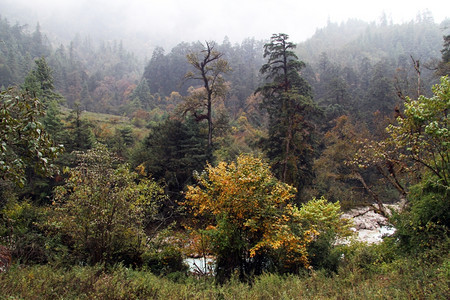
(370, 226)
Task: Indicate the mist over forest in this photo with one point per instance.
(130, 154)
(144, 25)
(97, 66)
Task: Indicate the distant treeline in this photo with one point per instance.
(355, 67)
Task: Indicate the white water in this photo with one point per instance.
(200, 265)
(369, 226)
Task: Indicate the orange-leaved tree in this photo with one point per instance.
(248, 215)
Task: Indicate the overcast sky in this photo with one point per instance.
(168, 22)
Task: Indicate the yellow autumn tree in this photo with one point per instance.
(248, 215)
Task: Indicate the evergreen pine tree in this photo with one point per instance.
(287, 97)
(52, 122)
(80, 137)
(172, 152)
(39, 82)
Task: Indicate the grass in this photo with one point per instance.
(109, 123)
(106, 124)
(401, 279)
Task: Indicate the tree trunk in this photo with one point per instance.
(381, 208)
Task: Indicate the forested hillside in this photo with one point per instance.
(106, 73)
(114, 166)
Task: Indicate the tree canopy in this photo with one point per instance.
(24, 141)
(422, 134)
(103, 209)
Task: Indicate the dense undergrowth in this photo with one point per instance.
(366, 272)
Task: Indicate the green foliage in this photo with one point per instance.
(367, 259)
(52, 122)
(283, 64)
(79, 135)
(380, 96)
(39, 82)
(169, 261)
(324, 218)
(416, 144)
(19, 46)
(426, 221)
(422, 136)
(444, 65)
(358, 69)
(245, 216)
(22, 232)
(142, 94)
(39, 188)
(164, 259)
(171, 152)
(102, 75)
(103, 208)
(122, 142)
(81, 283)
(164, 71)
(446, 49)
(164, 252)
(335, 178)
(332, 88)
(23, 141)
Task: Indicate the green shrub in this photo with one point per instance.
(167, 260)
(426, 221)
(103, 208)
(20, 231)
(366, 258)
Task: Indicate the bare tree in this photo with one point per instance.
(209, 66)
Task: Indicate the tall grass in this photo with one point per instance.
(401, 279)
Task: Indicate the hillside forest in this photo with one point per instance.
(115, 168)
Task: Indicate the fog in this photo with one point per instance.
(148, 23)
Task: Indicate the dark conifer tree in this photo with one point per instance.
(39, 82)
(444, 65)
(287, 97)
(143, 95)
(79, 136)
(172, 152)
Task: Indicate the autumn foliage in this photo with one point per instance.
(252, 222)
